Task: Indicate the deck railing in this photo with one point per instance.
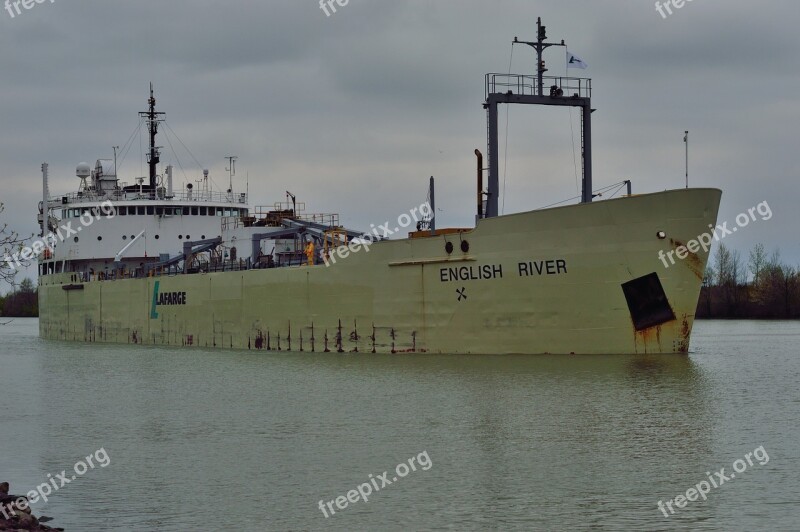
(525, 85)
(91, 196)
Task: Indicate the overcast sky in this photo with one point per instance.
(353, 112)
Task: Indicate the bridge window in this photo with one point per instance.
(140, 211)
(159, 210)
(194, 211)
(202, 211)
(122, 211)
(186, 211)
(150, 210)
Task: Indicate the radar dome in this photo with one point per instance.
(83, 170)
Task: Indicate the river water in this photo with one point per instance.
(188, 438)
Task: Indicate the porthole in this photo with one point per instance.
(202, 237)
(99, 238)
(75, 239)
(124, 237)
(187, 237)
(156, 237)
(133, 236)
(180, 237)
(448, 247)
(661, 235)
(464, 246)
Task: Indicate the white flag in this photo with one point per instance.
(573, 61)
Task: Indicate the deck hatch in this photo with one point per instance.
(647, 302)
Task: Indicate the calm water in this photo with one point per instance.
(232, 440)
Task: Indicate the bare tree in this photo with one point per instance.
(738, 271)
(10, 243)
(722, 265)
(730, 276)
(758, 260)
(774, 285)
(709, 276)
(789, 275)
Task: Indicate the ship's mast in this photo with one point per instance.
(153, 156)
(529, 90)
(540, 46)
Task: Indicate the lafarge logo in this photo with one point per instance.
(165, 298)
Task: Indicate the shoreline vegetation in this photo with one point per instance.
(762, 287)
(21, 303)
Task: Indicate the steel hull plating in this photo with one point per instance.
(547, 281)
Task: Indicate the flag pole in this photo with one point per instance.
(686, 141)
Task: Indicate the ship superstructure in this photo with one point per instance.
(113, 230)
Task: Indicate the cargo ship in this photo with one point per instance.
(150, 263)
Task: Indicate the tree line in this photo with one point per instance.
(22, 302)
(760, 286)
